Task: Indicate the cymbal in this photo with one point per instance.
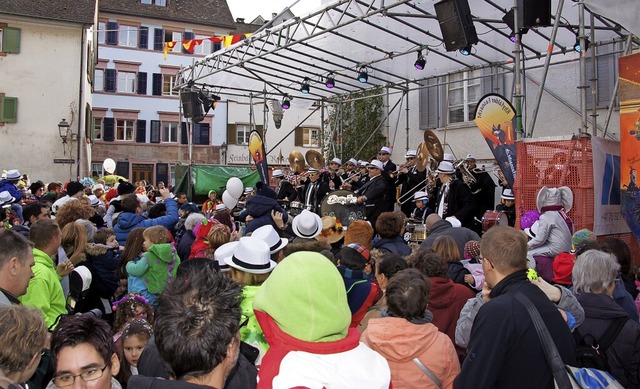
(422, 156)
(296, 161)
(433, 145)
(314, 159)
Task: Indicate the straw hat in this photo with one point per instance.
(332, 230)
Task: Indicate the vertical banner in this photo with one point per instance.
(607, 215)
(630, 140)
(495, 116)
(257, 152)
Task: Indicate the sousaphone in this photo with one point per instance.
(314, 159)
(296, 161)
(422, 157)
(434, 146)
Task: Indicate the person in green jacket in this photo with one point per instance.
(45, 290)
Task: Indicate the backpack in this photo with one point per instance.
(591, 352)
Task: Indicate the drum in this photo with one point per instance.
(343, 206)
(409, 228)
(419, 233)
(414, 231)
(295, 208)
(492, 218)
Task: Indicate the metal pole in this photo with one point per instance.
(594, 80)
(583, 70)
(547, 62)
(322, 125)
(516, 69)
(616, 86)
(406, 116)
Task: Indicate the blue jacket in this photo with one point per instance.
(127, 221)
(259, 208)
(9, 187)
(394, 245)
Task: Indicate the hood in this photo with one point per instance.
(42, 258)
(398, 339)
(163, 251)
(142, 382)
(440, 225)
(316, 309)
(301, 244)
(259, 205)
(441, 295)
(129, 220)
(95, 249)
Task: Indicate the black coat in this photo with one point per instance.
(623, 355)
(411, 182)
(390, 178)
(504, 348)
(459, 203)
(320, 190)
(286, 191)
(375, 191)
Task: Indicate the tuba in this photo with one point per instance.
(467, 176)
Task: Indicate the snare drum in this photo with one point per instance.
(295, 208)
(492, 218)
(419, 233)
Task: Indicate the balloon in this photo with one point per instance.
(228, 200)
(235, 188)
(109, 165)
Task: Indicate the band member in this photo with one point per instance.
(421, 211)
(411, 180)
(373, 193)
(507, 205)
(284, 189)
(332, 175)
(454, 198)
(483, 190)
(362, 177)
(350, 175)
(314, 191)
(384, 155)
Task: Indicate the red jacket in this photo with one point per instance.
(446, 300)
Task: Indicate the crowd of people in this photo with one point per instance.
(131, 285)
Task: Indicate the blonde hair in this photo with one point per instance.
(74, 242)
(248, 279)
(447, 249)
(157, 235)
(22, 335)
(217, 236)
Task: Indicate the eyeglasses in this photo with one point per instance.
(90, 374)
(383, 153)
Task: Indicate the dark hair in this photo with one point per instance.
(390, 264)
(429, 263)
(197, 264)
(224, 217)
(157, 210)
(621, 250)
(198, 316)
(390, 224)
(34, 187)
(102, 235)
(42, 232)
(13, 245)
(53, 186)
(408, 294)
(129, 203)
(135, 327)
(32, 209)
(132, 249)
(78, 329)
(590, 245)
(352, 259)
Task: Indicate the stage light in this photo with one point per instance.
(305, 86)
(420, 62)
(363, 75)
(465, 50)
(331, 81)
(512, 37)
(286, 103)
(578, 48)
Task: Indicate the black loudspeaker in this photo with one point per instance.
(192, 106)
(456, 24)
(531, 13)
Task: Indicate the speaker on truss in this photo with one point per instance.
(531, 13)
(191, 105)
(456, 24)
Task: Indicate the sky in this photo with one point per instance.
(250, 9)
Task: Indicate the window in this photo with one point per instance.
(9, 39)
(170, 132)
(205, 47)
(168, 81)
(124, 130)
(8, 109)
(146, 1)
(96, 169)
(126, 82)
(161, 3)
(310, 137)
(172, 170)
(97, 128)
(102, 26)
(217, 46)
(98, 80)
(1, 38)
(172, 36)
(465, 89)
(242, 134)
(128, 36)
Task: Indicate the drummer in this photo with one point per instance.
(507, 205)
(284, 189)
(421, 211)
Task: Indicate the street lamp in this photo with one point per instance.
(223, 149)
(63, 129)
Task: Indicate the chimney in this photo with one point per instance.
(239, 20)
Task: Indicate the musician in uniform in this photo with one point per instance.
(284, 189)
(373, 193)
(507, 205)
(332, 175)
(421, 211)
(483, 190)
(314, 191)
(389, 175)
(454, 198)
(350, 175)
(411, 180)
(362, 178)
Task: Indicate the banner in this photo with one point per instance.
(258, 154)
(495, 116)
(607, 216)
(630, 140)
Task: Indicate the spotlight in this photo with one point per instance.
(512, 37)
(363, 75)
(331, 81)
(286, 103)
(465, 50)
(420, 62)
(209, 101)
(305, 86)
(577, 46)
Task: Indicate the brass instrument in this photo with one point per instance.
(433, 145)
(296, 161)
(426, 161)
(467, 176)
(314, 159)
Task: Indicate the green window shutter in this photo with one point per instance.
(11, 40)
(9, 110)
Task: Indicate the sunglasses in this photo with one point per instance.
(383, 153)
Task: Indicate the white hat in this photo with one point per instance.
(362, 163)
(386, 150)
(270, 236)
(455, 223)
(420, 196)
(376, 164)
(337, 160)
(6, 198)
(353, 161)
(507, 194)
(470, 157)
(533, 230)
(13, 174)
(94, 200)
(220, 207)
(307, 225)
(252, 256)
(411, 154)
(97, 187)
(448, 157)
(248, 190)
(277, 173)
(222, 253)
(313, 170)
(445, 167)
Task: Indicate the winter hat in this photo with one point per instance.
(563, 268)
(582, 236)
(355, 253)
(472, 249)
(125, 187)
(189, 207)
(359, 231)
(265, 190)
(316, 308)
(74, 187)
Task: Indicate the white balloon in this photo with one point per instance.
(235, 188)
(109, 165)
(228, 200)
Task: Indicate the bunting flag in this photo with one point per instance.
(191, 44)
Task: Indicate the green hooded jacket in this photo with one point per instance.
(156, 267)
